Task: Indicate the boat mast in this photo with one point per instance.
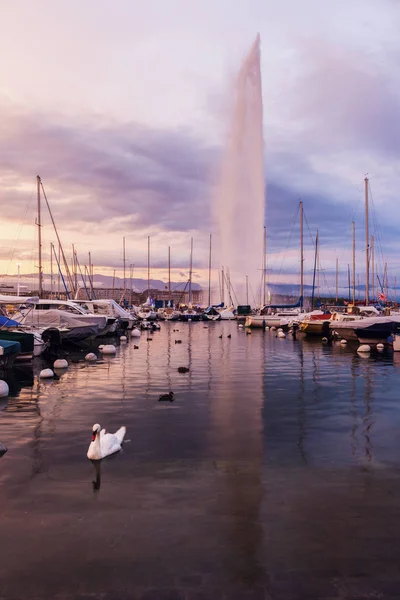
(169, 275)
(222, 286)
(315, 268)
(247, 290)
(354, 262)
(366, 243)
(74, 269)
(264, 265)
(148, 266)
(123, 241)
(190, 271)
(373, 265)
(209, 275)
(337, 275)
(301, 255)
(51, 270)
(39, 224)
(70, 279)
(131, 267)
(385, 282)
(59, 270)
(348, 278)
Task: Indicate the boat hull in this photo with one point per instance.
(317, 328)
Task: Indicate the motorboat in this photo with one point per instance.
(43, 313)
(316, 323)
(211, 314)
(72, 327)
(370, 330)
(116, 315)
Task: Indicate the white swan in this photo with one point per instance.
(103, 444)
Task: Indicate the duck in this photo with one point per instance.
(135, 347)
(183, 369)
(178, 341)
(167, 397)
(229, 336)
(149, 339)
(3, 449)
(220, 336)
(103, 444)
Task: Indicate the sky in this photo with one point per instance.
(122, 107)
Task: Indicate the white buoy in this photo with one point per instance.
(380, 347)
(46, 374)
(4, 389)
(109, 349)
(266, 328)
(61, 363)
(189, 320)
(343, 342)
(123, 338)
(240, 325)
(135, 332)
(324, 340)
(91, 357)
(281, 334)
(364, 349)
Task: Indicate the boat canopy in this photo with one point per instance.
(19, 299)
(6, 322)
(297, 305)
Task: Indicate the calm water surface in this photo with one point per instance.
(274, 474)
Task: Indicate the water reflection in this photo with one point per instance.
(256, 462)
(97, 470)
(236, 435)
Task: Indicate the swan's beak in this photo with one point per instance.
(93, 436)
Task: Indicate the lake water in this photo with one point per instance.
(275, 473)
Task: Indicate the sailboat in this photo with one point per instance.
(146, 312)
(277, 315)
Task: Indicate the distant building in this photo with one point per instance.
(119, 295)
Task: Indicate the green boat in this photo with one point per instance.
(8, 353)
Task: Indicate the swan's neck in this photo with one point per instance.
(96, 445)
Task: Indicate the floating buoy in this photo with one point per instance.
(266, 328)
(343, 342)
(61, 363)
(91, 357)
(380, 347)
(281, 334)
(108, 349)
(324, 340)
(135, 332)
(46, 374)
(123, 338)
(240, 325)
(4, 389)
(364, 348)
(189, 320)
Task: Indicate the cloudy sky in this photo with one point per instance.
(121, 108)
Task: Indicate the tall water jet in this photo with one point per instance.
(239, 205)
